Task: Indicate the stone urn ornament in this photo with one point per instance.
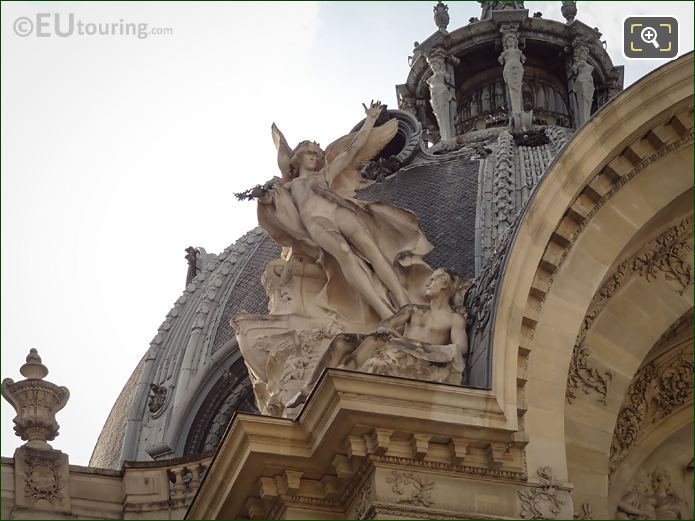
(441, 16)
(569, 10)
(36, 402)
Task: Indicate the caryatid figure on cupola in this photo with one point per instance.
(512, 60)
(442, 92)
(583, 82)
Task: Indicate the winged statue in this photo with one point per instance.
(369, 250)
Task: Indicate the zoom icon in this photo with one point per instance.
(652, 37)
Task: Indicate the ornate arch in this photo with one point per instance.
(630, 162)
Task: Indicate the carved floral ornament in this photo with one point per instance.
(157, 398)
(411, 488)
(362, 502)
(542, 501)
(43, 480)
(664, 256)
(657, 390)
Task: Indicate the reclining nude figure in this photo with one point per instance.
(370, 251)
(426, 342)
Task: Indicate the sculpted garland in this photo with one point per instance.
(351, 289)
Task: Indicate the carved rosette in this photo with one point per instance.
(36, 402)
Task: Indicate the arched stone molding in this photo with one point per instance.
(664, 258)
(641, 397)
(631, 160)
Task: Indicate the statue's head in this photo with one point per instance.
(436, 59)
(307, 155)
(510, 41)
(661, 480)
(581, 53)
(442, 280)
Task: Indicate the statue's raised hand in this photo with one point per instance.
(375, 108)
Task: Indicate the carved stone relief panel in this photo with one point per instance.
(41, 479)
(660, 485)
(411, 488)
(543, 501)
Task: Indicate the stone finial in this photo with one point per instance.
(569, 10)
(36, 402)
(441, 16)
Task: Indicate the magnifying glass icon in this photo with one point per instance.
(648, 35)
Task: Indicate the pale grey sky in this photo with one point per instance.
(118, 152)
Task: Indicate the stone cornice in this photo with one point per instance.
(351, 416)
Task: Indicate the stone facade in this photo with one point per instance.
(568, 205)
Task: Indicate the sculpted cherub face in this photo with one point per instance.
(308, 156)
(439, 282)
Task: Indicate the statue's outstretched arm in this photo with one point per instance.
(397, 321)
(345, 158)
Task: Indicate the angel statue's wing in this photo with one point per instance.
(347, 182)
(284, 152)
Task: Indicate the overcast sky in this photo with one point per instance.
(118, 152)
